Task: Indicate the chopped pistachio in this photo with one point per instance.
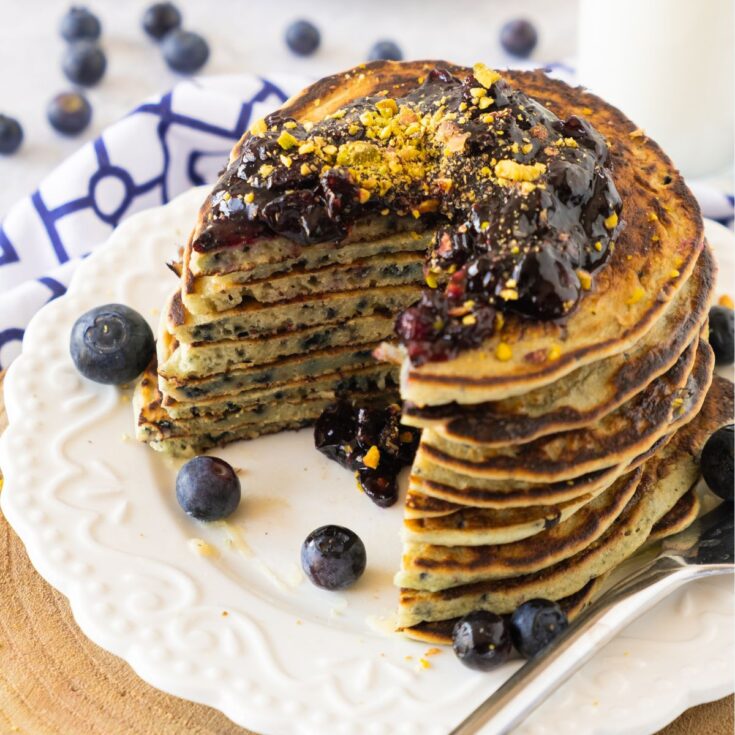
(638, 293)
(258, 127)
(286, 140)
(554, 352)
(372, 457)
(503, 352)
(486, 77)
(585, 279)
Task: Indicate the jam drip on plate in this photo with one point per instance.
(523, 203)
(371, 441)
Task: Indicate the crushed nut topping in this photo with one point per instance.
(512, 191)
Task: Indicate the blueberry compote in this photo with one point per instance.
(371, 441)
(522, 203)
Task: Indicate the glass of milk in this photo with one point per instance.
(668, 65)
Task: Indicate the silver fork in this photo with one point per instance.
(704, 549)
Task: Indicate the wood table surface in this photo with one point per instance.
(54, 681)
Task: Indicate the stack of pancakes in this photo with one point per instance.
(262, 339)
(549, 453)
(545, 463)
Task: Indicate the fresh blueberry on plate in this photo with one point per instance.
(79, 23)
(721, 334)
(185, 51)
(111, 344)
(11, 135)
(333, 557)
(518, 38)
(717, 462)
(84, 63)
(160, 19)
(481, 640)
(534, 624)
(303, 37)
(386, 50)
(69, 113)
(208, 489)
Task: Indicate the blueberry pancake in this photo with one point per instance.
(516, 257)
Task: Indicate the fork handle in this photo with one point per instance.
(539, 677)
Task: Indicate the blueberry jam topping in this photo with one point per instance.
(371, 441)
(522, 202)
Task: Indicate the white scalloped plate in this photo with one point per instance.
(244, 632)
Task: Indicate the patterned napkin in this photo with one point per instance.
(159, 150)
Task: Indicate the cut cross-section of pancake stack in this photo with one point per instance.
(261, 339)
(549, 272)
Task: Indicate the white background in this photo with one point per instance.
(244, 36)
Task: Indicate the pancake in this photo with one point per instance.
(152, 428)
(666, 479)
(263, 258)
(360, 380)
(680, 517)
(667, 403)
(192, 360)
(440, 632)
(653, 257)
(186, 446)
(429, 498)
(426, 566)
(459, 489)
(379, 271)
(314, 363)
(586, 394)
(253, 319)
(480, 526)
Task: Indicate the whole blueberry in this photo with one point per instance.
(721, 334)
(185, 51)
(208, 489)
(160, 19)
(79, 23)
(535, 624)
(69, 113)
(333, 557)
(518, 38)
(302, 37)
(111, 344)
(84, 63)
(385, 49)
(717, 464)
(11, 135)
(481, 640)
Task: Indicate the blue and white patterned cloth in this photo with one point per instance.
(158, 151)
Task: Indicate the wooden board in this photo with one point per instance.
(54, 681)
